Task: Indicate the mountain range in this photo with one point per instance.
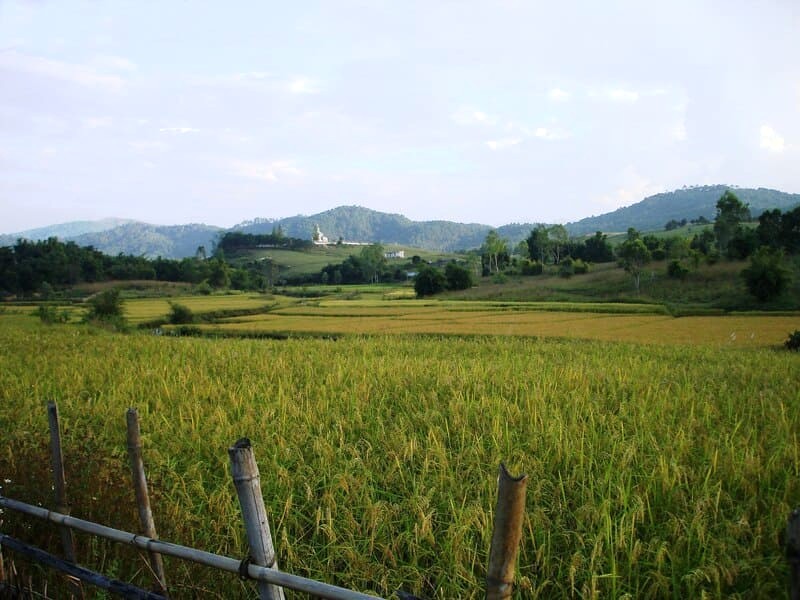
(354, 223)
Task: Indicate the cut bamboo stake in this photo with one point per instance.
(148, 527)
(60, 488)
(793, 553)
(244, 471)
(508, 517)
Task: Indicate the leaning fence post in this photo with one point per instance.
(60, 489)
(142, 498)
(793, 553)
(508, 517)
(244, 471)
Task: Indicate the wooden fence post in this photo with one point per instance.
(508, 517)
(793, 553)
(148, 527)
(244, 471)
(60, 489)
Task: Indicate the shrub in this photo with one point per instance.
(429, 281)
(50, 316)
(676, 270)
(458, 277)
(793, 342)
(566, 268)
(580, 267)
(180, 314)
(203, 288)
(105, 309)
(532, 267)
(105, 305)
(766, 277)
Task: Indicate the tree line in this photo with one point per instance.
(30, 267)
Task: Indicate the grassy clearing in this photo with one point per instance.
(147, 309)
(655, 471)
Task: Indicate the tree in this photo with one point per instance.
(597, 249)
(538, 244)
(766, 277)
(219, 275)
(458, 277)
(730, 214)
(558, 237)
(493, 247)
(633, 255)
(372, 262)
(429, 281)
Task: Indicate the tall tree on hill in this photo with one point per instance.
(730, 214)
(633, 256)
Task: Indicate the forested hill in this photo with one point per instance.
(358, 224)
(688, 203)
(142, 239)
(64, 230)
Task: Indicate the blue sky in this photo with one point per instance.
(490, 112)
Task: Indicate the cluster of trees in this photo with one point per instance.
(236, 240)
(29, 267)
(730, 237)
(553, 245)
(368, 266)
(431, 280)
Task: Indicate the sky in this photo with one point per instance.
(491, 112)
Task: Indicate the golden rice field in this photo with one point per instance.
(639, 323)
(656, 470)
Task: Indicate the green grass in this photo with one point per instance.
(655, 471)
(311, 260)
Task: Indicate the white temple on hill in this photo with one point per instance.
(319, 238)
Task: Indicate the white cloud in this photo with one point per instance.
(558, 95)
(472, 116)
(502, 143)
(303, 85)
(634, 188)
(64, 71)
(543, 133)
(179, 130)
(271, 171)
(622, 95)
(148, 146)
(98, 122)
(678, 132)
(116, 63)
(771, 140)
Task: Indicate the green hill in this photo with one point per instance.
(687, 203)
(358, 224)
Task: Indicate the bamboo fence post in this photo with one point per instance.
(148, 526)
(793, 553)
(60, 489)
(2, 568)
(508, 517)
(244, 471)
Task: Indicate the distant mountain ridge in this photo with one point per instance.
(358, 224)
(355, 223)
(688, 203)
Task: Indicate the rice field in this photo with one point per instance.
(656, 470)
